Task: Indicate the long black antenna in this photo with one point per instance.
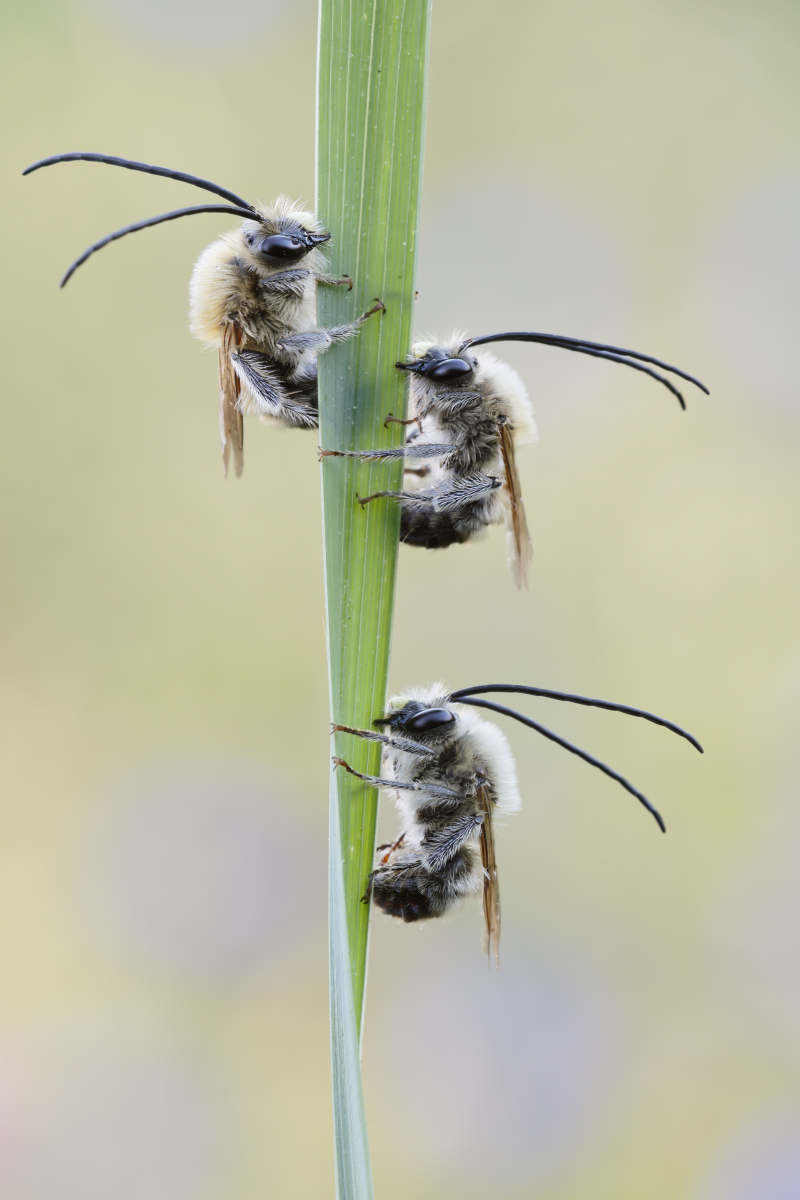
(170, 216)
(130, 165)
(595, 762)
(574, 699)
(596, 350)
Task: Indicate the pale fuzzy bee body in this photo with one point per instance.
(225, 282)
(449, 773)
(232, 287)
(472, 413)
(439, 862)
(252, 296)
(469, 414)
(453, 408)
(260, 314)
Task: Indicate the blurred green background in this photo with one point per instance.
(624, 171)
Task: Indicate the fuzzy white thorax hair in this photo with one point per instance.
(479, 737)
(504, 380)
(494, 375)
(214, 281)
(207, 291)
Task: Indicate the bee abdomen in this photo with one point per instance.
(433, 530)
(401, 897)
(415, 893)
(423, 526)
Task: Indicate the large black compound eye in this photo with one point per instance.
(450, 368)
(429, 718)
(281, 248)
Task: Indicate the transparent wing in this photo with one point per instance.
(231, 424)
(520, 539)
(491, 892)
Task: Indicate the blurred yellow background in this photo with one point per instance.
(624, 171)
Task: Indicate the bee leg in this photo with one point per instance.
(367, 897)
(391, 846)
(422, 499)
(264, 393)
(391, 419)
(341, 333)
(317, 341)
(443, 500)
(377, 307)
(441, 516)
(370, 735)
(390, 849)
(444, 849)
(291, 282)
(410, 450)
(331, 282)
(421, 471)
(465, 493)
(375, 780)
(294, 345)
(398, 785)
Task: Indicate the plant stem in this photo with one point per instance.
(372, 73)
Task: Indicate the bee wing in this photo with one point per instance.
(231, 424)
(521, 548)
(491, 892)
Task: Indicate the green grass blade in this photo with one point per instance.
(353, 1172)
(372, 75)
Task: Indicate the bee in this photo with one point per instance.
(471, 412)
(450, 772)
(252, 296)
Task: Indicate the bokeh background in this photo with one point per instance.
(627, 171)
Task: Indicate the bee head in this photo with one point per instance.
(438, 364)
(419, 720)
(281, 243)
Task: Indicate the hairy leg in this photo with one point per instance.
(375, 781)
(461, 493)
(370, 735)
(410, 450)
(329, 281)
(264, 391)
(319, 340)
